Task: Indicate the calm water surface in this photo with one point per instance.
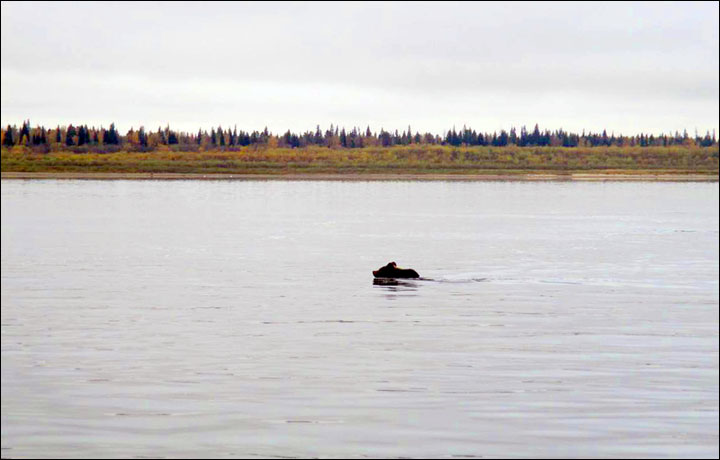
(239, 319)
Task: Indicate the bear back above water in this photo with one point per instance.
(391, 270)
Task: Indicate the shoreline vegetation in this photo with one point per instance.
(402, 161)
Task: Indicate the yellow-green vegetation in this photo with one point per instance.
(412, 159)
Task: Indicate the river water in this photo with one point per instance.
(240, 319)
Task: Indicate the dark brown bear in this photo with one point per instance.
(391, 270)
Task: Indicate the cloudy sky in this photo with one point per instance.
(627, 67)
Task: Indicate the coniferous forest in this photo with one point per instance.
(101, 140)
(77, 147)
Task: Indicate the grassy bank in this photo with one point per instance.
(414, 159)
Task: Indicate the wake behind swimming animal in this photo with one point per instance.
(391, 270)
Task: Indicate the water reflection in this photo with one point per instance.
(393, 282)
(393, 286)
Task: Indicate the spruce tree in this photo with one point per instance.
(69, 134)
(142, 137)
(8, 140)
(81, 135)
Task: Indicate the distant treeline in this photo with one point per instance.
(81, 138)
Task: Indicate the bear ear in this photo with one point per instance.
(393, 264)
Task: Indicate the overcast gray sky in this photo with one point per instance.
(627, 67)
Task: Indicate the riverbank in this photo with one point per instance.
(620, 175)
(421, 162)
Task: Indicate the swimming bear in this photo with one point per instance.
(391, 270)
